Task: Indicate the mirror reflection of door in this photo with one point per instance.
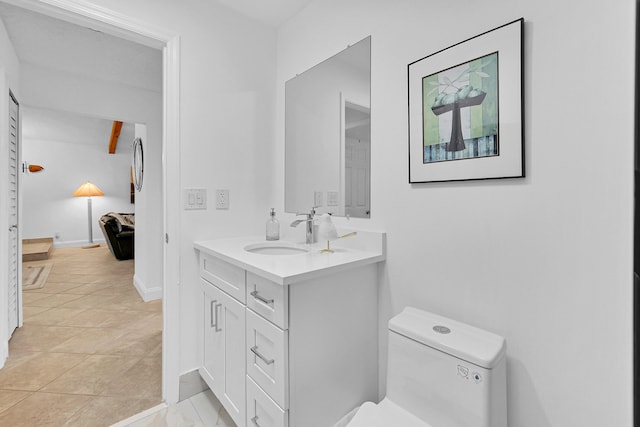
(357, 160)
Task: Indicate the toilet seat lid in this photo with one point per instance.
(385, 414)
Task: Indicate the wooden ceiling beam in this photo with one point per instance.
(115, 134)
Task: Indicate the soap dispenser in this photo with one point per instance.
(273, 226)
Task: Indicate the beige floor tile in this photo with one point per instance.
(153, 306)
(17, 357)
(28, 311)
(89, 305)
(55, 288)
(8, 398)
(43, 410)
(127, 319)
(122, 302)
(93, 375)
(41, 337)
(116, 289)
(144, 379)
(105, 410)
(138, 342)
(152, 322)
(94, 318)
(90, 341)
(88, 301)
(83, 289)
(54, 316)
(38, 371)
(70, 278)
(53, 300)
(31, 297)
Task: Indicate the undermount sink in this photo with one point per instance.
(276, 248)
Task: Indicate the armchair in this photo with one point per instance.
(119, 232)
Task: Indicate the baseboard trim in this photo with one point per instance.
(76, 243)
(147, 294)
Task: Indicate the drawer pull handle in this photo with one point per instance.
(216, 311)
(254, 420)
(255, 351)
(212, 315)
(260, 298)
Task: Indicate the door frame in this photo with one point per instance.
(126, 27)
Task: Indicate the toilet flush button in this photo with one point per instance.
(442, 329)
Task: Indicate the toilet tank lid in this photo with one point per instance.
(458, 339)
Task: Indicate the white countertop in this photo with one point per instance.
(366, 247)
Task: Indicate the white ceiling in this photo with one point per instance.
(59, 126)
(52, 43)
(270, 12)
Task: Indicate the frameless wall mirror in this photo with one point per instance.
(328, 135)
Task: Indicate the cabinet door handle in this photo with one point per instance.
(254, 420)
(255, 351)
(211, 308)
(259, 297)
(216, 315)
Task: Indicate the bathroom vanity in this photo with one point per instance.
(290, 334)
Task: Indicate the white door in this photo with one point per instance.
(357, 172)
(14, 262)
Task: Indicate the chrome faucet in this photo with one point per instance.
(311, 235)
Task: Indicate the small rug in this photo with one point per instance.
(34, 275)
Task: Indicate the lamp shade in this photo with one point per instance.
(326, 229)
(88, 190)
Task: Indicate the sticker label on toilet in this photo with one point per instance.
(463, 372)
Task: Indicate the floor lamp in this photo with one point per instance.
(89, 190)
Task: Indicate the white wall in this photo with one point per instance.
(545, 261)
(71, 155)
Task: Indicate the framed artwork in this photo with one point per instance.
(466, 118)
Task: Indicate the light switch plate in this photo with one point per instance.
(317, 198)
(195, 198)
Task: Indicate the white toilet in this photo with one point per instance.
(441, 373)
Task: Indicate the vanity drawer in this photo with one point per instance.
(268, 299)
(268, 357)
(262, 411)
(225, 276)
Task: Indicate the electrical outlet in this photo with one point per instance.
(317, 198)
(222, 199)
(56, 235)
(332, 198)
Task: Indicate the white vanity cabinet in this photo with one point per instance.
(309, 338)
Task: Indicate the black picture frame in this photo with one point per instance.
(466, 109)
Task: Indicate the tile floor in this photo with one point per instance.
(201, 410)
(90, 351)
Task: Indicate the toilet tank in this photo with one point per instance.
(445, 372)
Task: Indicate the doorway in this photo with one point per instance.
(124, 27)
